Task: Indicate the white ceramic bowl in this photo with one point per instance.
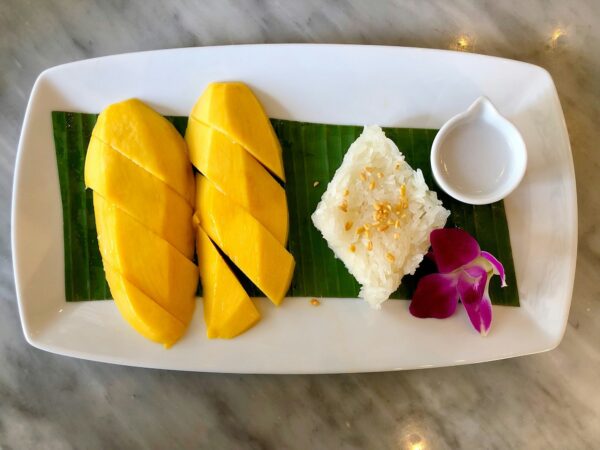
(478, 156)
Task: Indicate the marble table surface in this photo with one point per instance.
(545, 401)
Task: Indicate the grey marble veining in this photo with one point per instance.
(550, 400)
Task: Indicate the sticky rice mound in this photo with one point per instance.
(376, 215)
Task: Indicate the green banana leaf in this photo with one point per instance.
(312, 153)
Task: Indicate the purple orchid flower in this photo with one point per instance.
(464, 272)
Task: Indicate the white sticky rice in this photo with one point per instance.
(377, 214)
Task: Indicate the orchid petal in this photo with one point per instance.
(435, 296)
(471, 284)
(472, 288)
(453, 248)
(498, 267)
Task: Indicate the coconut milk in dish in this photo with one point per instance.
(477, 159)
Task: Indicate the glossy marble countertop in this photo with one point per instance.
(545, 401)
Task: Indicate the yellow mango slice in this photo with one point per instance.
(228, 311)
(232, 109)
(149, 140)
(147, 261)
(141, 312)
(237, 174)
(244, 240)
(149, 200)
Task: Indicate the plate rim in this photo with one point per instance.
(15, 198)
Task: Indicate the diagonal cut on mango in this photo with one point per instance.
(153, 265)
(228, 311)
(149, 140)
(140, 194)
(145, 315)
(244, 240)
(240, 176)
(233, 109)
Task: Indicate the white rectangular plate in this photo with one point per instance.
(388, 86)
